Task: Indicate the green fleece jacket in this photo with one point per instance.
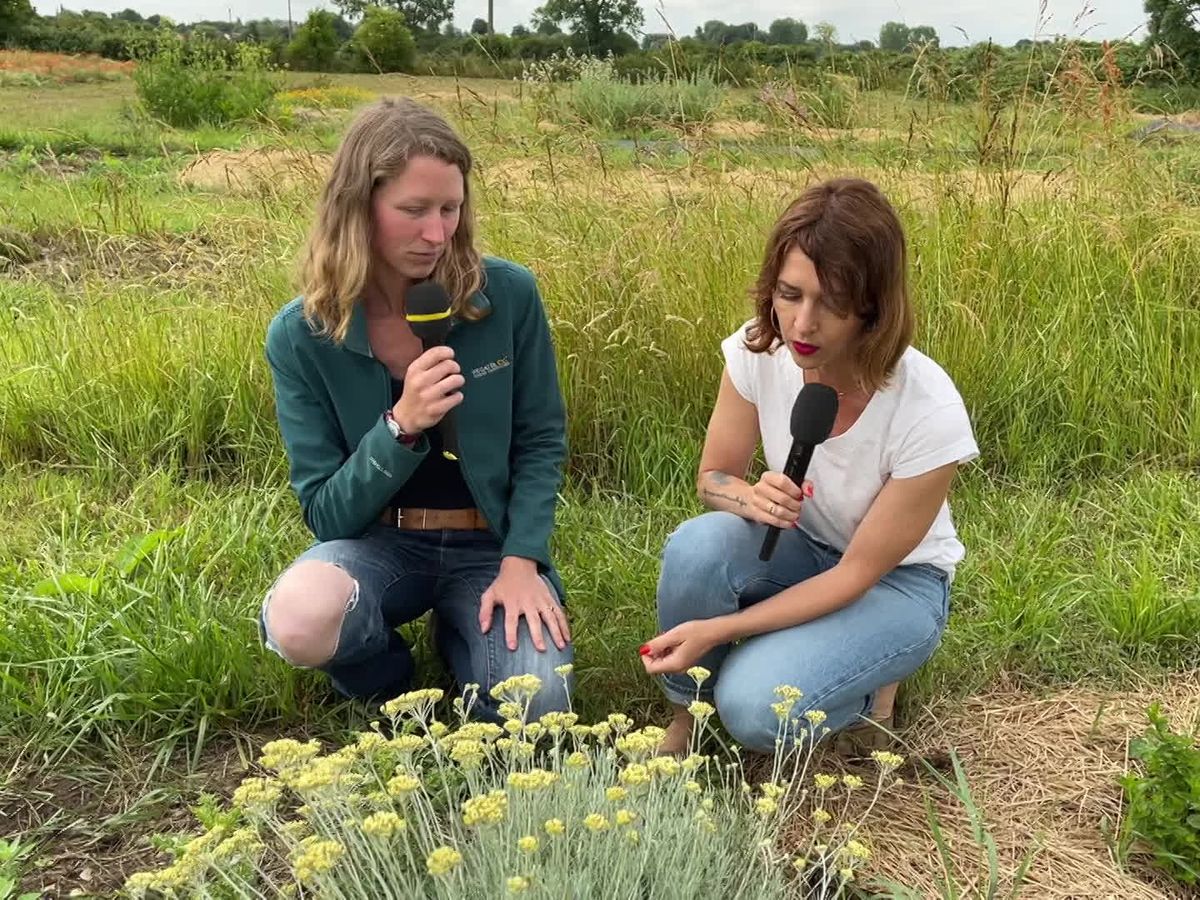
(344, 463)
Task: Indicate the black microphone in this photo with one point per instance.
(813, 413)
(427, 309)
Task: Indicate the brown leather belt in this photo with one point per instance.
(411, 519)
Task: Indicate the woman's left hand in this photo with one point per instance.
(522, 592)
(680, 648)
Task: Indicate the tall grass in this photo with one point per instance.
(134, 400)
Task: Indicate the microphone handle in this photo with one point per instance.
(794, 469)
(447, 427)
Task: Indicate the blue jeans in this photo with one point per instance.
(710, 567)
(400, 576)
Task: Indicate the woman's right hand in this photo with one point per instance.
(776, 500)
(432, 385)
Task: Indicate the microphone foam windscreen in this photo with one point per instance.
(813, 413)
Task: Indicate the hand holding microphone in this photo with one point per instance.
(813, 415)
(431, 390)
(438, 379)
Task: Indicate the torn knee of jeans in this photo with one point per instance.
(287, 641)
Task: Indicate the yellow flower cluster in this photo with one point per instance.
(555, 827)
(517, 884)
(699, 674)
(486, 810)
(403, 784)
(557, 722)
(517, 689)
(701, 711)
(625, 817)
(468, 753)
(259, 794)
(887, 760)
(412, 702)
(442, 860)
(527, 844)
(616, 794)
(533, 780)
(823, 781)
(852, 782)
(406, 743)
(316, 856)
(578, 760)
(287, 753)
(383, 824)
(642, 743)
(595, 822)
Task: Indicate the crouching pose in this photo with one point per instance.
(856, 594)
(403, 528)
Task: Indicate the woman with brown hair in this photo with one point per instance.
(856, 594)
(402, 528)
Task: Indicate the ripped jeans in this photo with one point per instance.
(401, 575)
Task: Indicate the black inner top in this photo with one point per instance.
(438, 482)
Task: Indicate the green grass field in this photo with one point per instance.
(143, 485)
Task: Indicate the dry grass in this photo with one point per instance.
(1043, 770)
(255, 172)
(62, 67)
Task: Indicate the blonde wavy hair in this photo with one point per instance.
(337, 259)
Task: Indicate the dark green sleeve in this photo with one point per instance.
(539, 439)
(340, 495)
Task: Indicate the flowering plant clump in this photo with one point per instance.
(552, 807)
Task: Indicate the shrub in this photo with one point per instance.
(537, 808)
(383, 43)
(1164, 801)
(598, 95)
(316, 43)
(197, 83)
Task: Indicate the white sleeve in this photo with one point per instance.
(941, 437)
(741, 365)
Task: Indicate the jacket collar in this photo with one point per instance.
(356, 335)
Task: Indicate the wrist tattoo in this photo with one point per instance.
(738, 500)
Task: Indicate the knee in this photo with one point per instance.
(303, 614)
(699, 549)
(751, 724)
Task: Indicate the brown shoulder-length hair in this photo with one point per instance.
(856, 242)
(337, 259)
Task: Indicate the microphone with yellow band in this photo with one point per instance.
(427, 309)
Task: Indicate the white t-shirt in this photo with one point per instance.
(915, 424)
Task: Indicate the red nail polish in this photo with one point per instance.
(644, 650)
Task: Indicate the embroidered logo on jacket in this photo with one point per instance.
(490, 368)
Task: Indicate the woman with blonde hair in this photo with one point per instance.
(856, 594)
(401, 528)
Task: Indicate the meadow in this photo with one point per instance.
(143, 486)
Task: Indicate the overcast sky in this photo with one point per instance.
(1004, 22)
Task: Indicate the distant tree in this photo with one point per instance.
(654, 41)
(597, 22)
(519, 31)
(316, 43)
(1176, 24)
(14, 16)
(129, 15)
(479, 26)
(893, 36)
(825, 33)
(923, 34)
(864, 45)
(425, 15)
(787, 31)
(547, 28)
(383, 42)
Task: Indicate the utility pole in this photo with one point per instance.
(491, 21)
(289, 20)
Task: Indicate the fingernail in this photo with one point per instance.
(644, 650)
(808, 490)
